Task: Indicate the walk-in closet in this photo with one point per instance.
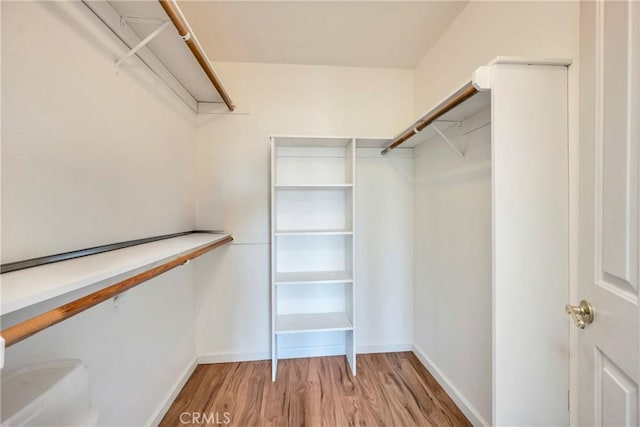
(319, 213)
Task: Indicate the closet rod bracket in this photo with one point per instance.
(143, 43)
(448, 141)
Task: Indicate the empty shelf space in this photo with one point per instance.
(312, 232)
(307, 277)
(314, 322)
(314, 187)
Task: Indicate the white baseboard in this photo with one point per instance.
(285, 353)
(296, 352)
(159, 413)
(206, 359)
(458, 398)
(315, 351)
(385, 348)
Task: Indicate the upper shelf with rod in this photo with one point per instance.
(129, 267)
(160, 36)
(470, 99)
(462, 104)
(50, 277)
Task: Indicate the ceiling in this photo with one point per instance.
(383, 34)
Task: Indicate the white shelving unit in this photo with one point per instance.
(312, 240)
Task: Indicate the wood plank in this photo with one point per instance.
(274, 408)
(371, 391)
(437, 393)
(391, 389)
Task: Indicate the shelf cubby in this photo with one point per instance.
(312, 322)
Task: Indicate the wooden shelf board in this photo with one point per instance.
(314, 322)
(31, 286)
(307, 277)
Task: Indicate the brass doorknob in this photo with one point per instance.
(581, 314)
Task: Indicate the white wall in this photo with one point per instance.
(89, 158)
(452, 309)
(486, 29)
(232, 154)
(136, 353)
(384, 250)
(481, 32)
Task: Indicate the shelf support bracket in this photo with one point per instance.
(448, 141)
(143, 43)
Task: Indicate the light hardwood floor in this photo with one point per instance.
(391, 389)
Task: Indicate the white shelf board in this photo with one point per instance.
(373, 142)
(313, 232)
(311, 141)
(314, 187)
(30, 286)
(308, 277)
(314, 322)
(524, 60)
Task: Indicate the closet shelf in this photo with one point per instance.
(160, 36)
(311, 141)
(452, 111)
(314, 322)
(313, 232)
(314, 187)
(311, 277)
(24, 288)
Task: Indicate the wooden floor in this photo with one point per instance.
(390, 389)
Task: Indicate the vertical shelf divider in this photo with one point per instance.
(274, 309)
(350, 296)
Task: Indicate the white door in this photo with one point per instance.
(608, 362)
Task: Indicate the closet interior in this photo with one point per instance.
(483, 209)
(478, 199)
(320, 264)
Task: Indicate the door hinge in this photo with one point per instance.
(568, 400)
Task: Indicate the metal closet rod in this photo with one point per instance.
(183, 30)
(466, 92)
